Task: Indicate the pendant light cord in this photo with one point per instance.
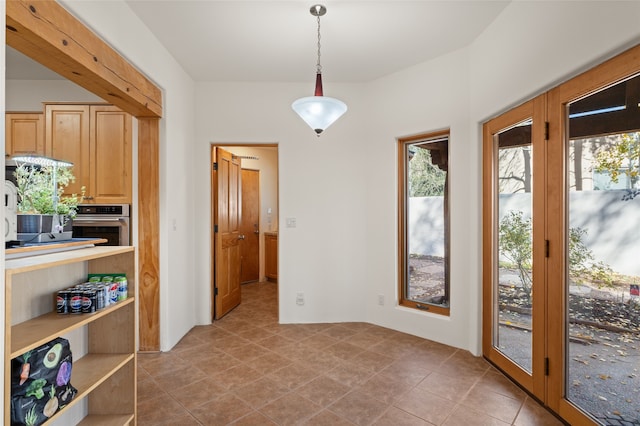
(318, 66)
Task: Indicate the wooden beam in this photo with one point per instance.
(148, 233)
(46, 32)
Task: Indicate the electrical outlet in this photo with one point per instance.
(291, 222)
(381, 299)
(300, 299)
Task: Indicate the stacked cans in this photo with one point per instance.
(92, 296)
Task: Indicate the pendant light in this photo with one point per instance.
(319, 111)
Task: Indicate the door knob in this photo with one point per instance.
(241, 237)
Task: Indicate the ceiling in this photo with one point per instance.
(276, 40)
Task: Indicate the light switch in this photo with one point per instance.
(291, 222)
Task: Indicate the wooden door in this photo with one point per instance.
(514, 244)
(226, 219)
(24, 134)
(67, 138)
(250, 227)
(110, 153)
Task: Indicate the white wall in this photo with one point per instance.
(322, 184)
(424, 98)
(28, 95)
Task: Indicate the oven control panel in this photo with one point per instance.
(114, 209)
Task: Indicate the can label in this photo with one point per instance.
(122, 288)
(99, 298)
(75, 306)
(113, 293)
(62, 302)
(88, 301)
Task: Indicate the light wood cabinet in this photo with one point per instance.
(104, 368)
(271, 256)
(97, 140)
(24, 133)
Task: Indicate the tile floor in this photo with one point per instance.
(247, 369)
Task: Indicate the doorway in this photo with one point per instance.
(256, 214)
(560, 282)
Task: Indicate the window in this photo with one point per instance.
(423, 214)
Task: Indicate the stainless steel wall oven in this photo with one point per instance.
(108, 221)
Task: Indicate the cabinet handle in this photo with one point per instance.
(90, 197)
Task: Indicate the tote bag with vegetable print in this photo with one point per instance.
(41, 383)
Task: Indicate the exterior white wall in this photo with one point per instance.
(120, 27)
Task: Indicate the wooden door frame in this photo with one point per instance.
(47, 33)
(608, 73)
(533, 109)
(212, 154)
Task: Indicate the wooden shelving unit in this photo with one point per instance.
(105, 376)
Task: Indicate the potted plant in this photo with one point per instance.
(43, 213)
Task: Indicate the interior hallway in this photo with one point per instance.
(247, 369)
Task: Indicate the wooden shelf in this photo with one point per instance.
(89, 372)
(104, 373)
(26, 264)
(33, 249)
(37, 331)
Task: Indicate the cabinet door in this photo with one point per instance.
(271, 256)
(67, 138)
(110, 150)
(24, 134)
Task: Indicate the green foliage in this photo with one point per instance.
(621, 156)
(515, 244)
(36, 193)
(425, 178)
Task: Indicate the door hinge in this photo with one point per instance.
(546, 130)
(546, 365)
(215, 229)
(215, 291)
(546, 248)
(215, 167)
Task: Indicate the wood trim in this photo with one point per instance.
(46, 32)
(402, 225)
(148, 232)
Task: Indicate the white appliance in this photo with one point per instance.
(10, 211)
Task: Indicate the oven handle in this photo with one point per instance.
(90, 222)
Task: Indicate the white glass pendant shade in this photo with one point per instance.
(319, 112)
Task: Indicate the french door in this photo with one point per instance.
(561, 244)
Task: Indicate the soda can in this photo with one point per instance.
(123, 287)
(63, 300)
(88, 301)
(113, 293)
(99, 298)
(75, 307)
(94, 279)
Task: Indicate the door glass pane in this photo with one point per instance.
(513, 289)
(603, 255)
